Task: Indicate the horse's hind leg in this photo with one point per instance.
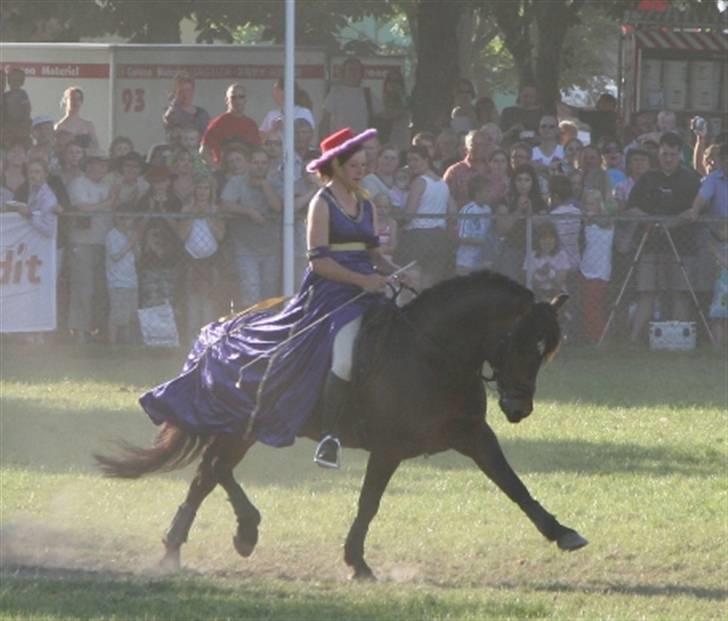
(380, 469)
(223, 449)
(248, 516)
(202, 484)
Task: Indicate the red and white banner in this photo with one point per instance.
(27, 277)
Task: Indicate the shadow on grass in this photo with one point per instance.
(62, 440)
(29, 592)
(617, 379)
(641, 590)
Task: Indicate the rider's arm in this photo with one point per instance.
(379, 261)
(326, 266)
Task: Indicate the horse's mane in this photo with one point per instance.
(385, 339)
(446, 292)
(539, 325)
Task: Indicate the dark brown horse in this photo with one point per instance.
(418, 389)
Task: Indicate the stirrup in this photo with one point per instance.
(323, 456)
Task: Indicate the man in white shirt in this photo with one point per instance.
(348, 104)
(89, 192)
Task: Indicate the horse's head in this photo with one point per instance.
(534, 338)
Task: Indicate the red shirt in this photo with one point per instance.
(229, 125)
(458, 176)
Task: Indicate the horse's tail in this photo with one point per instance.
(173, 448)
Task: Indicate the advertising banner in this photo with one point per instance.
(27, 277)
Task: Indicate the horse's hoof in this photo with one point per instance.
(363, 574)
(170, 562)
(243, 548)
(571, 541)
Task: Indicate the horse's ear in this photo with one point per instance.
(559, 301)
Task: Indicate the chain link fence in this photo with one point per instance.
(621, 273)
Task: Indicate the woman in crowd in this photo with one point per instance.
(120, 147)
(425, 239)
(394, 118)
(183, 175)
(463, 112)
(524, 199)
(520, 154)
(39, 203)
(83, 130)
(572, 152)
(14, 171)
(447, 150)
(160, 247)
(201, 237)
(486, 111)
(382, 181)
(498, 175)
(71, 163)
(591, 167)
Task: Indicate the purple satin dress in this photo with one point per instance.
(283, 386)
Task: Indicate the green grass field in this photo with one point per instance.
(629, 450)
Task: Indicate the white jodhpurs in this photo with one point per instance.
(344, 349)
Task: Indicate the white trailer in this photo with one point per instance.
(127, 87)
(672, 61)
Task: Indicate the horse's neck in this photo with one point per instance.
(467, 332)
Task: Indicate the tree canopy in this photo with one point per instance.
(501, 44)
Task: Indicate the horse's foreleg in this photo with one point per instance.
(203, 483)
(380, 469)
(247, 515)
(480, 444)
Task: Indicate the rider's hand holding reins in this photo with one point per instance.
(373, 283)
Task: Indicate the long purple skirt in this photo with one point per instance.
(282, 387)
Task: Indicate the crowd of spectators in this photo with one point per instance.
(196, 222)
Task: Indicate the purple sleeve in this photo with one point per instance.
(707, 188)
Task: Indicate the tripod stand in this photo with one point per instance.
(632, 267)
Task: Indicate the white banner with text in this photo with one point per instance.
(27, 277)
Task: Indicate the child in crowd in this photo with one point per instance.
(473, 226)
(550, 263)
(201, 237)
(596, 264)
(576, 179)
(386, 225)
(160, 247)
(719, 307)
(132, 186)
(190, 140)
(568, 220)
(121, 278)
(399, 192)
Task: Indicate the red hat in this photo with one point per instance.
(338, 143)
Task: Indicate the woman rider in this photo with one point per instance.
(254, 365)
